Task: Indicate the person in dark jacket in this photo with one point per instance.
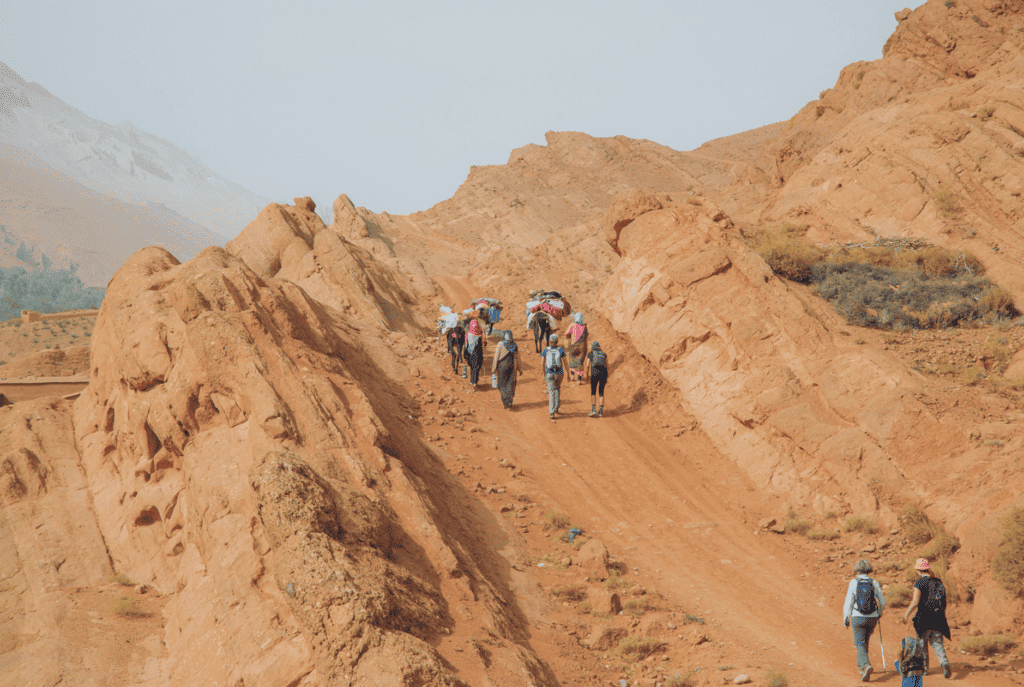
(929, 610)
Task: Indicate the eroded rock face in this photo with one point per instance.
(762, 365)
(249, 459)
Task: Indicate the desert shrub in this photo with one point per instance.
(637, 647)
(129, 607)
(1008, 563)
(570, 592)
(555, 521)
(898, 595)
(947, 203)
(616, 581)
(986, 111)
(862, 525)
(940, 567)
(823, 535)
(916, 526)
(858, 77)
(123, 580)
(942, 546)
(798, 525)
(638, 606)
(776, 677)
(973, 375)
(789, 256)
(906, 297)
(987, 645)
(692, 619)
(682, 680)
(888, 567)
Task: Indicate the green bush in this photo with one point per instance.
(637, 647)
(1008, 563)
(987, 645)
(692, 619)
(862, 525)
(123, 580)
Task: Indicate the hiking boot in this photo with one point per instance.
(946, 671)
(600, 413)
(865, 674)
(593, 413)
(551, 416)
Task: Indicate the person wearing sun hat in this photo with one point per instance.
(929, 610)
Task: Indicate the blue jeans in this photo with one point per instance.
(934, 637)
(554, 387)
(863, 628)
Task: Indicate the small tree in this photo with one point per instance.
(1008, 564)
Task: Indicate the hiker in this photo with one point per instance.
(910, 662)
(506, 368)
(862, 609)
(596, 368)
(456, 342)
(540, 323)
(577, 335)
(553, 357)
(474, 351)
(929, 610)
(493, 315)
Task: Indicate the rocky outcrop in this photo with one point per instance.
(248, 459)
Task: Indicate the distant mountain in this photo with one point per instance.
(119, 161)
(44, 212)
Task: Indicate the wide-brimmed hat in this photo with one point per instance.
(922, 564)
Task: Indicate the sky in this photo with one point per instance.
(393, 102)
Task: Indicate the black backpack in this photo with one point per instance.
(913, 657)
(864, 602)
(599, 362)
(936, 601)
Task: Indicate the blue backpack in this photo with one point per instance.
(864, 602)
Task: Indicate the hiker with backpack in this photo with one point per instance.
(475, 351)
(862, 610)
(929, 610)
(554, 357)
(910, 662)
(505, 369)
(596, 367)
(576, 334)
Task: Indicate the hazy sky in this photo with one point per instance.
(392, 102)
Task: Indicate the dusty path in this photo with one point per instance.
(686, 518)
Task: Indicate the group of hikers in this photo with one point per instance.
(466, 344)
(863, 610)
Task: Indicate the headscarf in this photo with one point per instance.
(509, 344)
(474, 328)
(578, 318)
(595, 346)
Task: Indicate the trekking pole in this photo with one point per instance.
(884, 664)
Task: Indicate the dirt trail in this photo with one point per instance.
(685, 518)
